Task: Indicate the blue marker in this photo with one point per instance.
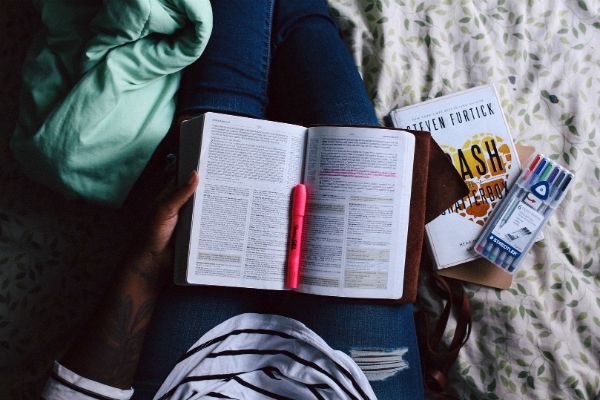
(538, 171)
(488, 249)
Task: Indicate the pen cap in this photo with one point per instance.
(543, 171)
(562, 188)
(533, 164)
(299, 200)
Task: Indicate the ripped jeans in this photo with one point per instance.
(283, 60)
(380, 338)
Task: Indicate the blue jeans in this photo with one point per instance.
(183, 314)
(282, 60)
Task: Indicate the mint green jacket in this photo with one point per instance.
(99, 87)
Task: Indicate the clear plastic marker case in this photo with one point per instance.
(514, 227)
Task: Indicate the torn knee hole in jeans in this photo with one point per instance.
(380, 364)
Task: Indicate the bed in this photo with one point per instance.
(540, 339)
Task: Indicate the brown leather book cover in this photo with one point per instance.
(435, 186)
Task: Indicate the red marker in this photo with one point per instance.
(295, 244)
(531, 167)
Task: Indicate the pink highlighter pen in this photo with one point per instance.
(295, 243)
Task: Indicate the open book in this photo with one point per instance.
(235, 230)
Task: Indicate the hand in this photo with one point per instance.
(154, 259)
(109, 348)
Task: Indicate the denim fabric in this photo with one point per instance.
(184, 314)
(282, 60)
(232, 74)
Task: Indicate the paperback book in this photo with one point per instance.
(471, 129)
(235, 230)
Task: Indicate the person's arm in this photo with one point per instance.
(109, 348)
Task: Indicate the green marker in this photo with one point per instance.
(546, 172)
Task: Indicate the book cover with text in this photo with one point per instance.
(471, 129)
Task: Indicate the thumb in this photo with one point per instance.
(182, 194)
(171, 206)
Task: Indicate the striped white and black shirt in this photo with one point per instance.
(251, 356)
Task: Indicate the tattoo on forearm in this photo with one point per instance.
(152, 276)
(123, 337)
(149, 268)
(110, 351)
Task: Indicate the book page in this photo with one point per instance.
(359, 182)
(247, 170)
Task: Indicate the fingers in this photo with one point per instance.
(175, 201)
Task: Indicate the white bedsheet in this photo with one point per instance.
(541, 338)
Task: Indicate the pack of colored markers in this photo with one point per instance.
(514, 227)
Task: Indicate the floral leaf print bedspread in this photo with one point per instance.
(541, 338)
